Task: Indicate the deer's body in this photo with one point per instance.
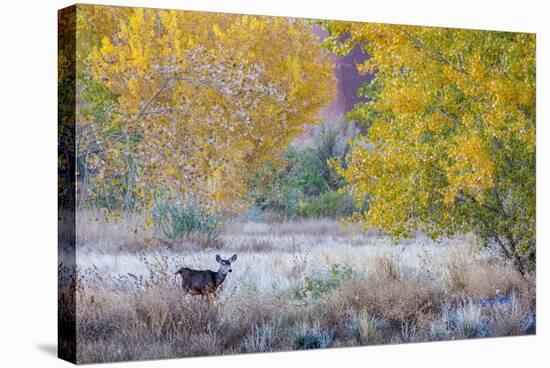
(204, 282)
(197, 282)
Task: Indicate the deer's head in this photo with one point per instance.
(225, 264)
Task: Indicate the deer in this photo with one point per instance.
(205, 282)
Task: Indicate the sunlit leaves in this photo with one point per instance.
(451, 144)
(203, 100)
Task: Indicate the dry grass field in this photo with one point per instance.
(296, 285)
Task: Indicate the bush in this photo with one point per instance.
(177, 222)
(262, 338)
(481, 278)
(280, 188)
(470, 321)
(330, 204)
(312, 338)
(410, 302)
(303, 182)
(318, 285)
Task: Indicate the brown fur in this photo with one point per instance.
(204, 282)
(197, 282)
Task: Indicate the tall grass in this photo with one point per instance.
(177, 222)
(292, 288)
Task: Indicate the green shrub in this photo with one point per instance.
(177, 222)
(281, 188)
(302, 182)
(329, 204)
(318, 285)
(283, 199)
(306, 171)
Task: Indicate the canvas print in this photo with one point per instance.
(237, 184)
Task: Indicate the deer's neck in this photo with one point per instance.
(220, 277)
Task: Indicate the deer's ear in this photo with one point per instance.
(218, 258)
(234, 258)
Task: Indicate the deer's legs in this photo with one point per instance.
(185, 291)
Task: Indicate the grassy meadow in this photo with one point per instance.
(302, 284)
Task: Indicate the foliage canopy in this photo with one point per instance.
(182, 104)
(451, 139)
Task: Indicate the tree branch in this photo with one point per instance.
(154, 97)
(486, 206)
(503, 247)
(432, 54)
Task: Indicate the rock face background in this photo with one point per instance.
(349, 80)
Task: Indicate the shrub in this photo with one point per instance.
(318, 285)
(480, 278)
(401, 302)
(177, 222)
(312, 338)
(280, 187)
(364, 327)
(441, 328)
(262, 338)
(330, 204)
(304, 182)
(470, 321)
(512, 316)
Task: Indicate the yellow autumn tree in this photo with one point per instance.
(451, 139)
(187, 104)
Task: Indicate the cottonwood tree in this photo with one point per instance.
(451, 143)
(193, 103)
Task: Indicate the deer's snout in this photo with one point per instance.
(230, 270)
